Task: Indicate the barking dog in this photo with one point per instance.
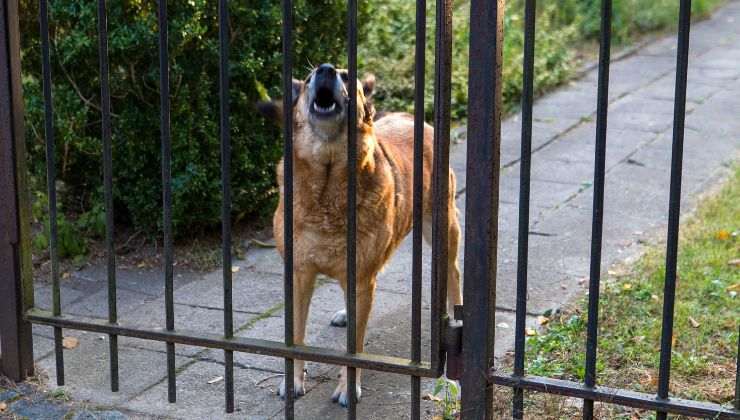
(384, 198)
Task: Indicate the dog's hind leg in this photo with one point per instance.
(303, 286)
(365, 296)
(454, 292)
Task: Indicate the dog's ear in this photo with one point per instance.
(273, 110)
(368, 85)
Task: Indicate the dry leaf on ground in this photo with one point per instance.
(531, 332)
(70, 343)
(694, 323)
(734, 263)
(542, 320)
(722, 235)
(216, 380)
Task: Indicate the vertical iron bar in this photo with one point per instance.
(16, 283)
(441, 178)
(418, 203)
(481, 229)
(164, 105)
(223, 36)
(352, 205)
(288, 195)
(598, 203)
(674, 207)
(51, 185)
(530, 9)
(108, 188)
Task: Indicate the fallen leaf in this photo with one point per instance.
(503, 325)
(262, 244)
(627, 286)
(216, 380)
(734, 263)
(722, 235)
(734, 288)
(542, 320)
(234, 269)
(694, 323)
(673, 340)
(66, 275)
(531, 332)
(3, 406)
(430, 397)
(70, 343)
(141, 264)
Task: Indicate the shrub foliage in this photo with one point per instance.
(255, 68)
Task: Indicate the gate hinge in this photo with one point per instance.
(453, 344)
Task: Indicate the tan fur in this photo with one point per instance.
(384, 209)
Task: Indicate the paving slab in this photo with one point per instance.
(86, 370)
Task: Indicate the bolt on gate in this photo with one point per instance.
(466, 353)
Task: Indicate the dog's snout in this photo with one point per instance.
(326, 70)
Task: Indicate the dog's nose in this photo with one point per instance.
(326, 70)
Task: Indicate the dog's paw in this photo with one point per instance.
(299, 387)
(339, 319)
(341, 395)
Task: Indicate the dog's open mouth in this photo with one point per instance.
(324, 104)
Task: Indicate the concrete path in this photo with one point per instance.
(638, 159)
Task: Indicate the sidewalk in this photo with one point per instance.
(636, 201)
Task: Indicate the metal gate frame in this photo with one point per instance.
(477, 337)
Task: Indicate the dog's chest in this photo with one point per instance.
(321, 218)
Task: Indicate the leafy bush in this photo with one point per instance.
(561, 27)
(255, 63)
(72, 233)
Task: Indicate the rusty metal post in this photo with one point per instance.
(481, 206)
(16, 280)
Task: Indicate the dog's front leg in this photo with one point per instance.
(365, 295)
(303, 285)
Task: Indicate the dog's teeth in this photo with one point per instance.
(323, 110)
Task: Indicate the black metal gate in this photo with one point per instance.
(469, 348)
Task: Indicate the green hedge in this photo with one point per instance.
(563, 27)
(255, 67)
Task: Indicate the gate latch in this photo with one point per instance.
(453, 344)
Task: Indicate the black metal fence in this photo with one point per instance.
(477, 340)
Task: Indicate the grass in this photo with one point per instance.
(566, 33)
(707, 318)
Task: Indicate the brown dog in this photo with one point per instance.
(384, 198)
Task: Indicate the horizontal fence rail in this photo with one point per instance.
(483, 150)
(239, 344)
(617, 396)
